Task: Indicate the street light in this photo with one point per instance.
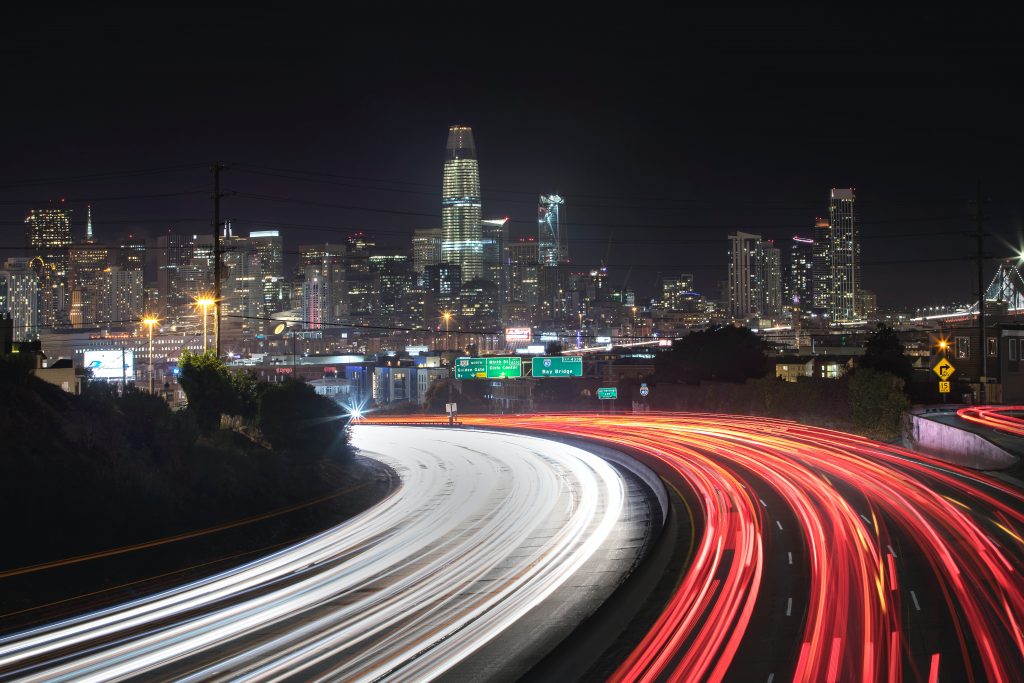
(447, 340)
(204, 302)
(150, 321)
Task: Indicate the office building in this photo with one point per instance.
(86, 263)
(393, 275)
(131, 254)
(462, 238)
(270, 252)
(426, 251)
(495, 234)
(742, 255)
(49, 234)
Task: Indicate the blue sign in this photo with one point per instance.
(644, 390)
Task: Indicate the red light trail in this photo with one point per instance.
(996, 417)
(855, 501)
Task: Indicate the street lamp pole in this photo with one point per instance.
(150, 321)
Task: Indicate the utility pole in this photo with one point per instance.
(217, 168)
(979, 213)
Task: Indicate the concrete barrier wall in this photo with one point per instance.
(955, 445)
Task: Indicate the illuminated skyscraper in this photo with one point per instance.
(49, 233)
(269, 251)
(845, 269)
(552, 247)
(755, 277)
(462, 238)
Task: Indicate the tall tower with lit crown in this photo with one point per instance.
(461, 229)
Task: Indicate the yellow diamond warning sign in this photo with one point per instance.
(943, 369)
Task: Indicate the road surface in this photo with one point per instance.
(482, 537)
(823, 556)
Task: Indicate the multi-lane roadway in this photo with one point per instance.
(482, 537)
(822, 556)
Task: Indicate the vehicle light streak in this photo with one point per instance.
(962, 525)
(996, 417)
(483, 530)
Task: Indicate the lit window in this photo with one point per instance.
(963, 348)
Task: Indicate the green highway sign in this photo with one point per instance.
(491, 367)
(607, 392)
(558, 366)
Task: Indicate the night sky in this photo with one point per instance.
(663, 133)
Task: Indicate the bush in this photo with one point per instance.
(877, 403)
(294, 419)
(209, 387)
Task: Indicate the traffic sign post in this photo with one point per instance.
(944, 369)
(558, 366)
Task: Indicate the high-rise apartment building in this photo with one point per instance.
(800, 277)
(821, 266)
(328, 261)
(673, 287)
(768, 280)
(462, 238)
(742, 255)
(845, 266)
(49, 234)
(755, 277)
(20, 297)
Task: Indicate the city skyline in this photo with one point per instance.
(653, 152)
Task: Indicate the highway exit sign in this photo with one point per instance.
(491, 367)
(607, 392)
(558, 366)
(944, 369)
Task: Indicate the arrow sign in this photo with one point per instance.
(944, 369)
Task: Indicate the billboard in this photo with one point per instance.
(110, 364)
(518, 334)
(491, 367)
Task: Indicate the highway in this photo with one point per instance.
(822, 556)
(482, 536)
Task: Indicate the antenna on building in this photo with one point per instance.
(88, 222)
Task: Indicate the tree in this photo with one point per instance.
(294, 419)
(209, 387)
(720, 353)
(877, 403)
(884, 352)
